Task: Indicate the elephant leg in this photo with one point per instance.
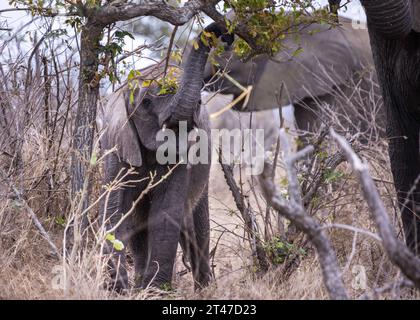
(195, 238)
(309, 115)
(117, 261)
(306, 116)
(200, 257)
(139, 243)
(307, 120)
(113, 208)
(184, 241)
(164, 227)
(405, 164)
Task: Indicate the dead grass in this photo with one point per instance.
(30, 272)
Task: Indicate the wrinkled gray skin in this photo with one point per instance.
(330, 59)
(394, 29)
(176, 210)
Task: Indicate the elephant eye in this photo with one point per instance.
(146, 103)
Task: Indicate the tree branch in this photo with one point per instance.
(35, 220)
(404, 283)
(156, 8)
(397, 251)
(241, 30)
(295, 212)
(256, 245)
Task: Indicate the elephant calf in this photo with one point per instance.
(176, 209)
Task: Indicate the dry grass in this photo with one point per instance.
(30, 272)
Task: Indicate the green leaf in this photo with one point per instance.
(110, 237)
(121, 34)
(133, 74)
(118, 245)
(297, 52)
(131, 96)
(93, 159)
(146, 83)
(207, 34)
(60, 220)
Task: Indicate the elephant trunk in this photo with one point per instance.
(392, 18)
(186, 100)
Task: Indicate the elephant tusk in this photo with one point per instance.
(164, 127)
(196, 129)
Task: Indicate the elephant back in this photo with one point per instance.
(312, 66)
(321, 59)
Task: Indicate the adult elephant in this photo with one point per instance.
(176, 209)
(394, 29)
(329, 59)
(324, 63)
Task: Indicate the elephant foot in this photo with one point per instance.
(116, 286)
(142, 284)
(203, 281)
(154, 290)
(160, 281)
(117, 283)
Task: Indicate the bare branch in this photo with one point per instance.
(168, 55)
(246, 214)
(290, 161)
(159, 9)
(295, 212)
(397, 251)
(36, 222)
(353, 229)
(404, 283)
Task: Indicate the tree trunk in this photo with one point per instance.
(84, 126)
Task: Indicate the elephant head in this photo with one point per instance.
(322, 59)
(137, 116)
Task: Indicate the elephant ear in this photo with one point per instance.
(311, 67)
(144, 111)
(119, 132)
